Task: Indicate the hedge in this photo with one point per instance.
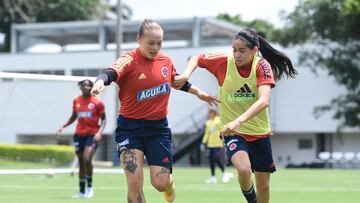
(58, 154)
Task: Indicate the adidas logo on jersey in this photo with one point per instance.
(142, 76)
(244, 93)
(244, 89)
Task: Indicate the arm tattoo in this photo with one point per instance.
(128, 158)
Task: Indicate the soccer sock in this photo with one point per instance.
(89, 180)
(82, 182)
(250, 195)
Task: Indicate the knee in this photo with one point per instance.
(87, 159)
(262, 187)
(160, 186)
(134, 187)
(243, 171)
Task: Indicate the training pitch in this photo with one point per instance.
(287, 186)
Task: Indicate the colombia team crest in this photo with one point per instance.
(165, 71)
(91, 106)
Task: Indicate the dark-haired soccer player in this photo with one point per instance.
(87, 110)
(245, 81)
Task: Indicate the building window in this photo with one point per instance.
(86, 72)
(305, 144)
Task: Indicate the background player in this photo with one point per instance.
(215, 146)
(88, 111)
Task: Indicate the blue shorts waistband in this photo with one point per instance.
(130, 123)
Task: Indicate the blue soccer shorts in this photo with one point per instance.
(152, 137)
(80, 142)
(259, 151)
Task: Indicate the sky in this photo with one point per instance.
(249, 10)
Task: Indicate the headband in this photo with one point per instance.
(253, 39)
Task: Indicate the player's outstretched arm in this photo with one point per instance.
(70, 121)
(211, 100)
(98, 87)
(102, 80)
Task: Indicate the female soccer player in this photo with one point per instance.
(245, 81)
(214, 144)
(144, 76)
(87, 110)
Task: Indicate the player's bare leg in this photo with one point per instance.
(88, 155)
(132, 163)
(262, 187)
(82, 173)
(163, 181)
(242, 164)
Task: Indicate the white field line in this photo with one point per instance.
(54, 171)
(190, 187)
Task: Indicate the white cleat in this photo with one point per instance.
(227, 176)
(79, 196)
(89, 192)
(211, 180)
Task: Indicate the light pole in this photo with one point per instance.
(119, 39)
(119, 29)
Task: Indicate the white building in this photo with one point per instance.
(32, 110)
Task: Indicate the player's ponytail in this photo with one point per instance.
(279, 62)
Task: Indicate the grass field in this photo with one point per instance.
(287, 186)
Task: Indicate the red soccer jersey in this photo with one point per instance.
(88, 112)
(144, 85)
(217, 65)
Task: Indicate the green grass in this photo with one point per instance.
(6, 164)
(287, 186)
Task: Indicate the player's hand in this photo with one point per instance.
(98, 87)
(179, 81)
(211, 100)
(97, 136)
(202, 147)
(58, 132)
(229, 128)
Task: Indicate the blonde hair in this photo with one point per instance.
(148, 24)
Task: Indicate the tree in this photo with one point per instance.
(262, 27)
(333, 26)
(29, 11)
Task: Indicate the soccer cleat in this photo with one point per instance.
(211, 180)
(169, 194)
(227, 176)
(79, 196)
(89, 192)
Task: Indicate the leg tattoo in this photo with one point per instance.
(139, 198)
(128, 158)
(163, 170)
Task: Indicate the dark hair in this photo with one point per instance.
(86, 80)
(279, 62)
(148, 24)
